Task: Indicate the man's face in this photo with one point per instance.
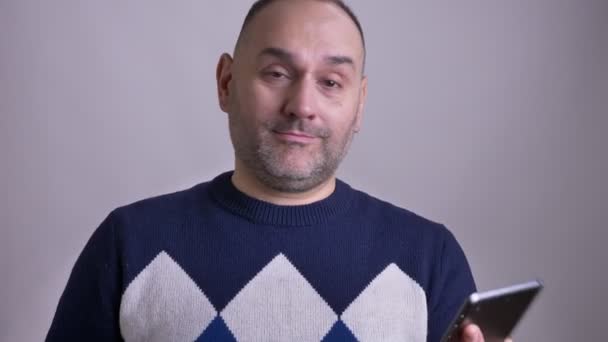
(294, 93)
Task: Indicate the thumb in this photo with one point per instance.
(472, 333)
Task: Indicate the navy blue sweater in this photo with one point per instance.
(212, 264)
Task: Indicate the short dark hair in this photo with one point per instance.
(261, 4)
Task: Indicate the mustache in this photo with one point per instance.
(301, 126)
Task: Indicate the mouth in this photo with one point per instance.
(294, 136)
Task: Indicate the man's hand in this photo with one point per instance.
(472, 333)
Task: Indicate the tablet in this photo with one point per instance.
(496, 312)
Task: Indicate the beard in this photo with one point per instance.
(289, 166)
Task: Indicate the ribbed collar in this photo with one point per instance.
(224, 192)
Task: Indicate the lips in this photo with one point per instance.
(294, 136)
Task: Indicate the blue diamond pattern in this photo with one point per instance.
(216, 331)
(339, 333)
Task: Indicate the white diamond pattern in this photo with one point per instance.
(391, 308)
(278, 304)
(164, 304)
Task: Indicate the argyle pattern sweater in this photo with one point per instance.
(212, 264)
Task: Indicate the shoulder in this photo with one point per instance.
(386, 214)
(165, 207)
(424, 249)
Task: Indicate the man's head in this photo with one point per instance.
(259, 5)
(294, 92)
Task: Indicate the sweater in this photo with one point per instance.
(212, 264)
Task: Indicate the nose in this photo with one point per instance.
(301, 101)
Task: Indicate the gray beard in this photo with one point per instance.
(264, 161)
(271, 173)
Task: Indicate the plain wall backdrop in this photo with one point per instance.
(488, 116)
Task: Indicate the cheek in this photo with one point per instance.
(260, 101)
(344, 121)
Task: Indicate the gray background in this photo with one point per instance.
(488, 116)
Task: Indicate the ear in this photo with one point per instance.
(223, 76)
(361, 104)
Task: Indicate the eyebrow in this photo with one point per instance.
(290, 58)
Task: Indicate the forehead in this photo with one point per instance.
(310, 29)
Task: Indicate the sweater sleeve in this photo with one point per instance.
(89, 306)
(453, 283)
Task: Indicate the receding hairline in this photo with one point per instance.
(259, 5)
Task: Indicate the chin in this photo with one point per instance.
(289, 185)
(292, 175)
(289, 179)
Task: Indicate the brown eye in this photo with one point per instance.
(331, 84)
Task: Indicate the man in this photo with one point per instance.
(279, 249)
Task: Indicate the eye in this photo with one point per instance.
(275, 74)
(331, 84)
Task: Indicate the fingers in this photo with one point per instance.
(472, 333)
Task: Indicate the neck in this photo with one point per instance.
(247, 183)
